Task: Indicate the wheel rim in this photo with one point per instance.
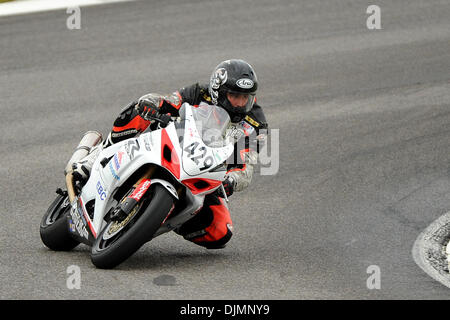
(114, 230)
(58, 211)
(114, 227)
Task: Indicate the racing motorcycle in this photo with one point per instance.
(141, 187)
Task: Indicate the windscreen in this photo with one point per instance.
(211, 122)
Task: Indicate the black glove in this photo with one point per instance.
(228, 185)
(164, 119)
(80, 171)
(148, 109)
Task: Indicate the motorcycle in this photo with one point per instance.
(141, 187)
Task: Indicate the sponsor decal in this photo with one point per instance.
(248, 129)
(71, 226)
(191, 133)
(244, 83)
(140, 190)
(218, 78)
(78, 223)
(251, 121)
(118, 159)
(245, 124)
(235, 132)
(131, 147)
(130, 132)
(147, 143)
(113, 172)
(101, 191)
(217, 156)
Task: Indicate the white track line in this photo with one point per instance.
(30, 6)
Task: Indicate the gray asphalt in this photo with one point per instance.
(363, 118)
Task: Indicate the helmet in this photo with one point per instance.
(234, 79)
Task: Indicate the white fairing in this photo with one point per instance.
(129, 155)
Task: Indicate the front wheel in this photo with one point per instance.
(119, 240)
(54, 230)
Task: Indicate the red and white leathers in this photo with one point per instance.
(212, 226)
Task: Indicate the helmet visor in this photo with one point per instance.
(240, 102)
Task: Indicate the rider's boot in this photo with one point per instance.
(82, 168)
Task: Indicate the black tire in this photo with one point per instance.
(107, 254)
(54, 230)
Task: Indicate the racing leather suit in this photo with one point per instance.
(212, 226)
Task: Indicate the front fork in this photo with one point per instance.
(140, 188)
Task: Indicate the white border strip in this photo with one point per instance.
(30, 6)
(429, 240)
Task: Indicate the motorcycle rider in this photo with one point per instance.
(232, 86)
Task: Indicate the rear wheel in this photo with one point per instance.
(119, 240)
(54, 230)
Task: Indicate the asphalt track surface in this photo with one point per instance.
(363, 118)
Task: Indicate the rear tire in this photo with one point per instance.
(54, 230)
(108, 252)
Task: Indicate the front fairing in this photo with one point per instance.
(170, 147)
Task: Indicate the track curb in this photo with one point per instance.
(429, 250)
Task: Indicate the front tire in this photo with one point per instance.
(54, 230)
(109, 251)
